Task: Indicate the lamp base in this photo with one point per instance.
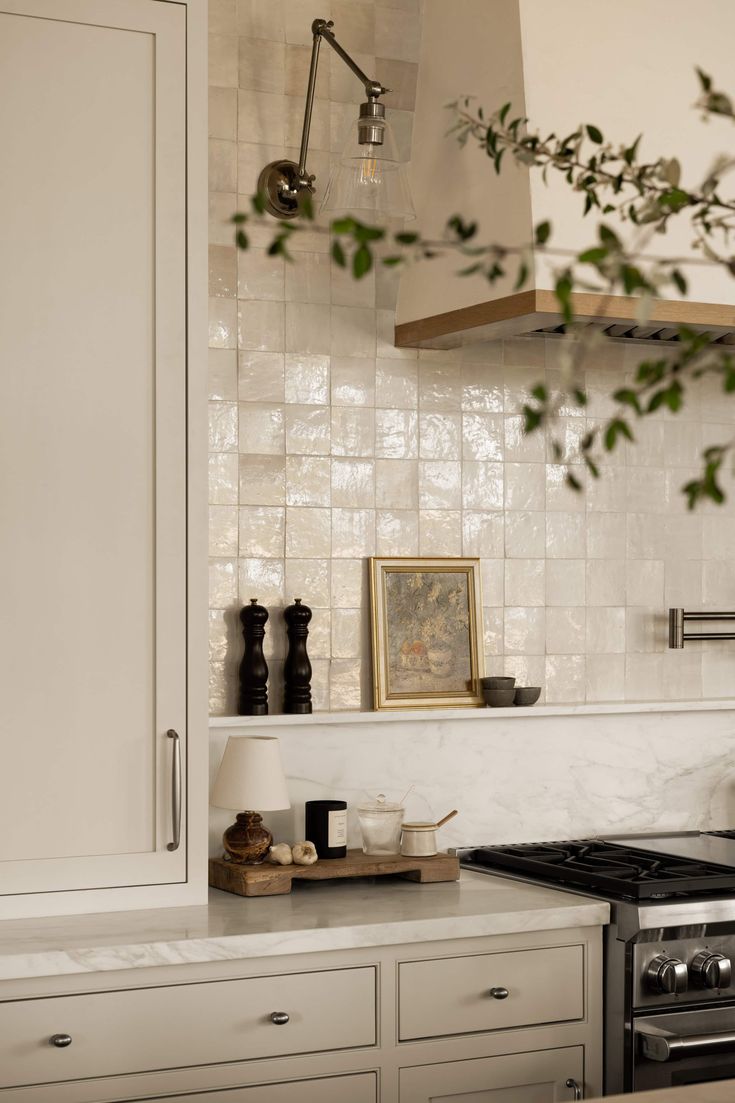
(246, 841)
(281, 185)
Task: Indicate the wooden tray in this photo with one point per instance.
(271, 880)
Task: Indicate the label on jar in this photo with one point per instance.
(337, 830)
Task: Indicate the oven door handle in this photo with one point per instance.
(661, 1045)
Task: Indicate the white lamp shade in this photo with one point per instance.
(250, 775)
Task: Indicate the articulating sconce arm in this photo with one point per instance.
(281, 182)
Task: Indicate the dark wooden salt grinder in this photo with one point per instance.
(253, 668)
(297, 668)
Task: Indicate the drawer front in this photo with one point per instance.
(358, 1088)
(191, 1024)
(453, 995)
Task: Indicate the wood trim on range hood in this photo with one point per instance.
(537, 311)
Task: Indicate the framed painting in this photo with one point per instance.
(426, 633)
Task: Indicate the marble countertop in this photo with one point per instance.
(315, 916)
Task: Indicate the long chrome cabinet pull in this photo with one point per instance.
(175, 790)
(575, 1086)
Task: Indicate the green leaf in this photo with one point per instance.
(539, 392)
(626, 397)
(594, 134)
(241, 239)
(406, 238)
(543, 232)
(522, 276)
(679, 281)
(608, 237)
(306, 205)
(471, 269)
(503, 112)
(531, 419)
(343, 226)
(338, 254)
(463, 230)
(391, 262)
(258, 202)
(593, 256)
(362, 261)
(363, 233)
(239, 218)
(563, 291)
(573, 481)
(631, 152)
(674, 199)
(704, 80)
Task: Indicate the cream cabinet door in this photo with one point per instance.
(93, 314)
(358, 1088)
(538, 1077)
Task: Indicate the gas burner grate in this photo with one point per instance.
(622, 871)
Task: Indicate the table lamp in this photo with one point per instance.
(250, 776)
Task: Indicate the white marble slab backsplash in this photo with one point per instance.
(516, 778)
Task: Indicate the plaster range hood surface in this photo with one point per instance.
(539, 54)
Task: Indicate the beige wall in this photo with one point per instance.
(329, 445)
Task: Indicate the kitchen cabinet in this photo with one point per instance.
(321, 1026)
(102, 438)
(542, 1077)
(361, 1088)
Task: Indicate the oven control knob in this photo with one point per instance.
(710, 970)
(667, 975)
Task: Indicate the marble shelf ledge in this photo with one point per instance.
(323, 719)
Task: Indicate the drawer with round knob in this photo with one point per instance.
(139, 1030)
(501, 991)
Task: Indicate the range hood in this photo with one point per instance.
(627, 66)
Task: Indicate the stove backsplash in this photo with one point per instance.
(524, 778)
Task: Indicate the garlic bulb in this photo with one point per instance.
(304, 854)
(280, 855)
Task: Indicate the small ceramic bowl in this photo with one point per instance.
(498, 698)
(527, 695)
(497, 683)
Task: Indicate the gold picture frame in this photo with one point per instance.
(427, 642)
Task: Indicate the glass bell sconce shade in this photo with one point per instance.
(369, 180)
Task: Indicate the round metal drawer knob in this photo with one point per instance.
(499, 993)
(61, 1041)
(280, 1018)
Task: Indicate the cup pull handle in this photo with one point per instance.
(175, 790)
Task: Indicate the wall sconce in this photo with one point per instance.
(368, 178)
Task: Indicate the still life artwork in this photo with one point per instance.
(427, 633)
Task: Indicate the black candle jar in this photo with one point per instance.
(325, 824)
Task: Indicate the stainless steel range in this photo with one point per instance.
(669, 984)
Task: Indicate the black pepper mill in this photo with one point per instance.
(297, 668)
(253, 668)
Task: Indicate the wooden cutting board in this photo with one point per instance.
(271, 880)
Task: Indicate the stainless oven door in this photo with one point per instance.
(684, 1047)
